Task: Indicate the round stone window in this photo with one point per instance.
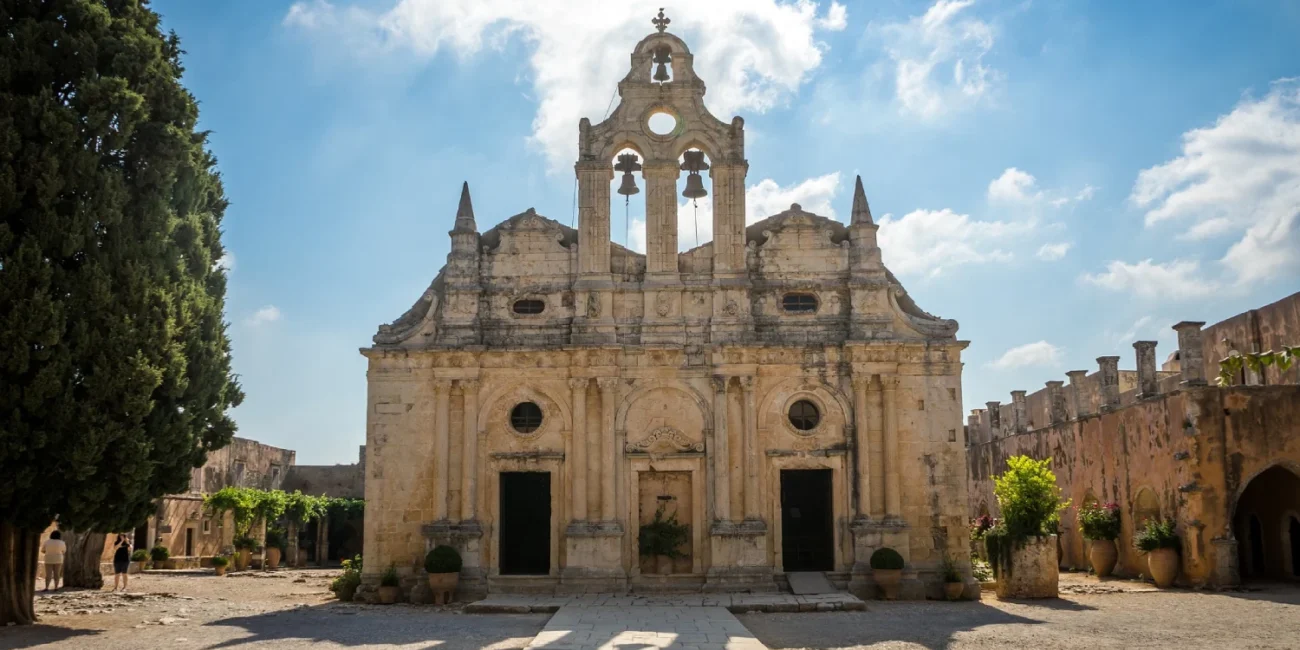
(526, 417)
(804, 415)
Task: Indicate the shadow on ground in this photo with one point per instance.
(930, 624)
(31, 636)
(397, 625)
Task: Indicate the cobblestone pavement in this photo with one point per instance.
(586, 627)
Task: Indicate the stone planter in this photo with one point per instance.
(443, 586)
(272, 558)
(888, 581)
(1163, 565)
(389, 595)
(953, 590)
(1028, 569)
(1103, 555)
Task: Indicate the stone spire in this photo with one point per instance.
(861, 211)
(465, 212)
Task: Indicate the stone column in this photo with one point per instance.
(469, 456)
(593, 215)
(752, 464)
(861, 430)
(721, 456)
(876, 399)
(578, 458)
(728, 216)
(1108, 380)
(995, 420)
(1191, 354)
(1058, 411)
(1019, 411)
(1077, 398)
(441, 447)
(661, 216)
(608, 448)
(893, 495)
(1148, 384)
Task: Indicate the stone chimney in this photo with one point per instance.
(1148, 385)
(1078, 401)
(1191, 356)
(995, 419)
(1057, 410)
(1109, 382)
(1019, 411)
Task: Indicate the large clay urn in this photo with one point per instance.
(272, 558)
(888, 580)
(389, 595)
(953, 590)
(1163, 565)
(243, 558)
(1103, 555)
(443, 586)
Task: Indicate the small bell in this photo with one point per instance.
(627, 164)
(694, 163)
(662, 57)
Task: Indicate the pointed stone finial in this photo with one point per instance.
(861, 211)
(661, 21)
(465, 211)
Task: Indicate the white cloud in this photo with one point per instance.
(1179, 279)
(1053, 252)
(752, 53)
(931, 241)
(263, 316)
(1239, 177)
(1040, 353)
(938, 59)
(1013, 185)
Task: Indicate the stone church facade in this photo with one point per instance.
(774, 395)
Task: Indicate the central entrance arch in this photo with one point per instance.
(1267, 524)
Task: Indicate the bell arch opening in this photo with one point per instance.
(1266, 522)
(628, 181)
(695, 209)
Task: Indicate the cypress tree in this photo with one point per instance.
(115, 375)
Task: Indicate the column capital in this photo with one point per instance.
(579, 383)
(607, 383)
(746, 383)
(889, 382)
(1144, 345)
(1192, 325)
(469, 385)
(661, 168)
(861, 382)
(1076, 375)
(442, 385)
(719, 383)
(1110, 360)
(593, 166)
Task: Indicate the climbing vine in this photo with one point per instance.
(1231, 365)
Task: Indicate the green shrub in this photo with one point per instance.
(245, 543)
(980, 570)
(390, 579)
(159, 553)
(1029, 498)
(220, 561)
(1099, 521)
(886, 559)
(1157, 535)
(949, 570)
(442, 559)
(345, 585)
(140, 555)
(663, 536)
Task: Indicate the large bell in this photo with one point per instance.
(694, 187)
(662, 57)
(628, 187)
(627, 164)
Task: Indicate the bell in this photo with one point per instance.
(694, 187)
(628, 188)
(662, 57)
(661, 73)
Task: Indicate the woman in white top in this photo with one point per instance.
(54, 548)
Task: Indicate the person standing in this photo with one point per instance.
(54, 548)
(121, 561)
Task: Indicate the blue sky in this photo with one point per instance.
(1059, 176)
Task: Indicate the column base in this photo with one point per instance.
(739, 557)
(594, 556)
(871, 535)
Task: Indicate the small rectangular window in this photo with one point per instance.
(920, 405)
(952, 393)
(952, 435)
(799, 303)
(207, 526)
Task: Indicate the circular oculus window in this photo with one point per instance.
(526, 417)
(804, 415)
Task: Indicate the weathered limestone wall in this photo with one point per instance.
(1268, 328)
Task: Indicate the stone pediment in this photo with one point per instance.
(527, 226)
(795, 222)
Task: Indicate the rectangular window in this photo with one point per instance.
(207, 526)
(275, 472)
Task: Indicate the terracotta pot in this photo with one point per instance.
(272, 558)
(1163, 565)
(444, 587)
(953, 590)
(389, 595)
(221, 570)
(1103, 555)
(888, 581)
(243, 558)
(139, 566)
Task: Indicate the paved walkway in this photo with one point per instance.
(607, 627)
(735, 603)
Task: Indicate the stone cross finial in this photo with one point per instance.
(661, 21)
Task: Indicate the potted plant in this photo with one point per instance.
(443, 565)
(1022, 547)
(390, 587)
(140, 558)
(244, 552)
(1159, 540)
(276, 540)
(345, 584)
(159, 555)
(887, 570)
(662, 539)
(1100, 525)
(953, 586)
(219, 564)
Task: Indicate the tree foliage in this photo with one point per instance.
(1029, 498)
(115, 376)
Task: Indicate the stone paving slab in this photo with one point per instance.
(735, 603)
(606, 627)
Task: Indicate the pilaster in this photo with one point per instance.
(1191, 353)
(1108, 381)
(1148, 381)
(441, 447)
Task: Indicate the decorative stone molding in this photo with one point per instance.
(668, 434)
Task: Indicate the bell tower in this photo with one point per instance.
(661, 82)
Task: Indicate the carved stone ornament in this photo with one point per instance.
(663, 304)
(731, 309)
(593, 306)
(666, 434)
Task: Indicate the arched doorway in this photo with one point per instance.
(1266, 527)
